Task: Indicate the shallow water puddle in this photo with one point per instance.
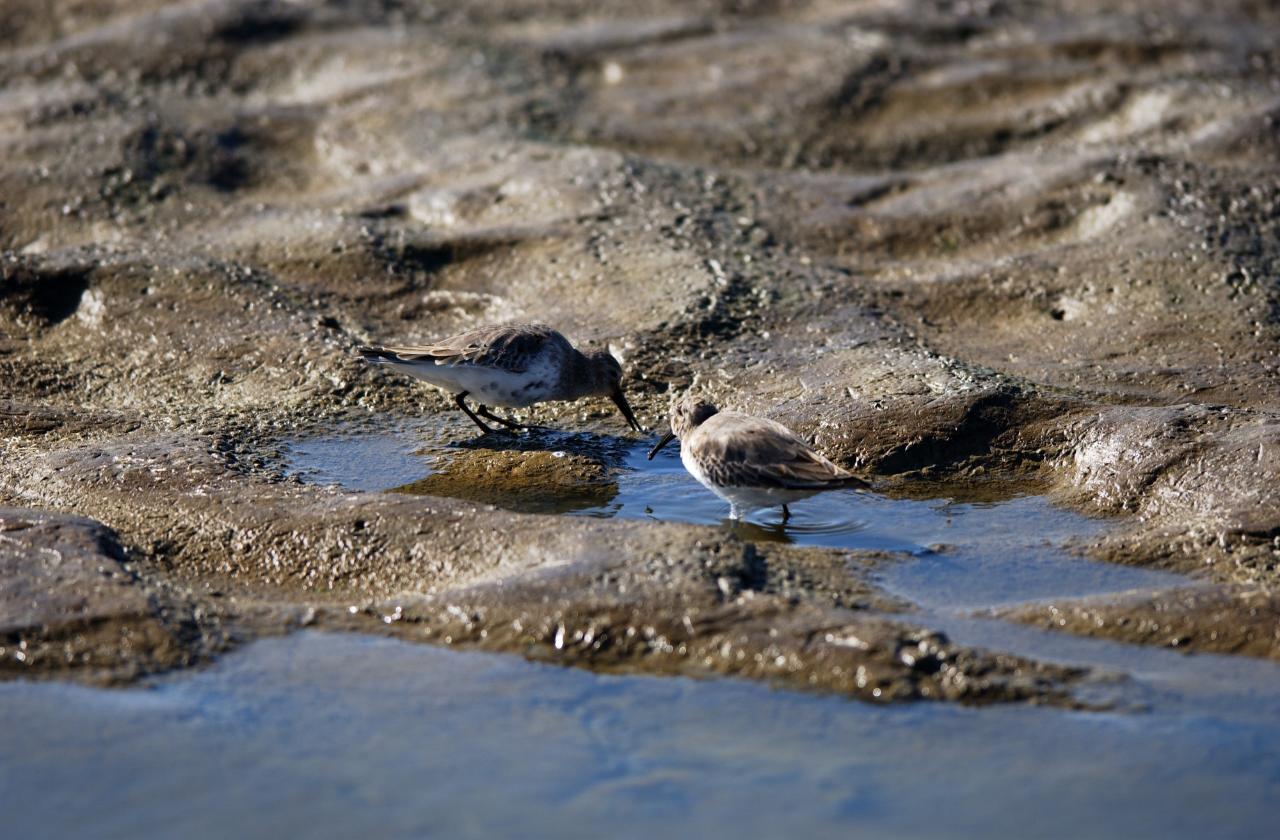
(336, 735)
(358, 460)
(963, 554)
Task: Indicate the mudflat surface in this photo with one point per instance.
(1014, 262)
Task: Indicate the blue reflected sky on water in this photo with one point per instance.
(337, 735)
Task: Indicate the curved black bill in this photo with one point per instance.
(667, 438)
(621, 402)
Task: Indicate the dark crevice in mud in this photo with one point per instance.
(230, 170)
(154, 150)
(262, 22)
(861, 93)
(47, 295)
(393, 256)
(586, 51)
(23, 419)
(429, 256)
(166, 156)
(426, 258)
(159, 159)
(873, 193)
(865, 87)
(981, 422)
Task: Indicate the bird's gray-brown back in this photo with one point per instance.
(737, 450)
(510, 347)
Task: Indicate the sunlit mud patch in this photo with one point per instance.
(962, 554)
(531, 482)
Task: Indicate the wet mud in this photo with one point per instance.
(1238, 620)
(531, 482)
(995, 245)
(70, 605)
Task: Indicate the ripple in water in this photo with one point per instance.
(662, 489)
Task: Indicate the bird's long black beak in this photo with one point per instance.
(621, 402)
(667, 438)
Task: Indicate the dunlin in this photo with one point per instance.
(513, 366)
(750, 462)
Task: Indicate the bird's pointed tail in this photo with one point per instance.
(849, 480)
(853, 482)
(375, 354)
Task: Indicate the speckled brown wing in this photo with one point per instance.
(736, 450)
(510, 347)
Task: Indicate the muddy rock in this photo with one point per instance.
(68, 603)
(1197, 480)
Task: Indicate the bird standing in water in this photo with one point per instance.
(750, 462)
(513, 366)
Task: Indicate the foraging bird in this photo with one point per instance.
(750, 462)
(513, 366)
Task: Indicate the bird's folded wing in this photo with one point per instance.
(509, 348)
(766, 454)
(800, 474)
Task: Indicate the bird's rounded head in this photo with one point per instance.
(689, 412)
(606, 380)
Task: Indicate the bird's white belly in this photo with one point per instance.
(487, 386)
(743, 499)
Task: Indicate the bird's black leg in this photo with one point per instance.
(460, 399)
(483, 411)
(786, 514)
